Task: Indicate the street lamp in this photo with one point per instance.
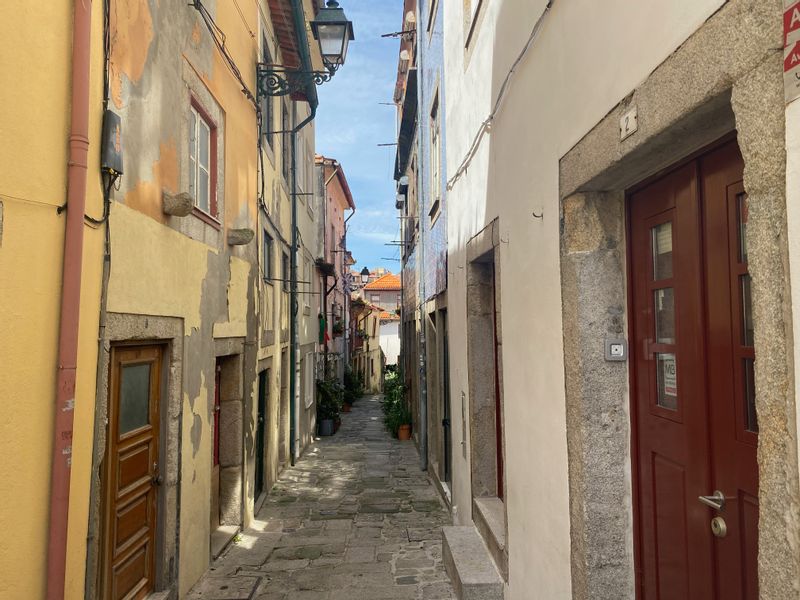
(365, 275)
(333, 33)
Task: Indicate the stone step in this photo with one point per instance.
(469, 565)
(489, 518)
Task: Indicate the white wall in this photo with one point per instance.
(588, 57)
(390, 341)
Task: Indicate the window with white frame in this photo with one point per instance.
(435, 161)
(201, 161)
(300, 162)
(308, 376)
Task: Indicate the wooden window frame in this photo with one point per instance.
(267, 249)
(212, 215)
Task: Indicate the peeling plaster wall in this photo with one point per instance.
(162, 60)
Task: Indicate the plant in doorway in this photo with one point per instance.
(397, 416)
(329, 402)
(353, 389)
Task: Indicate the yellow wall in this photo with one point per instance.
(34, 125)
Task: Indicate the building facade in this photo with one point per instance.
(186, 185)
(620, 282)
(368, 361)
(420, 95)
(385, 291)
(334, 262)
(51, 269)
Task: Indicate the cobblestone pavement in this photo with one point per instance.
(355, 519)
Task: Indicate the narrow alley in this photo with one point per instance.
(354, 519)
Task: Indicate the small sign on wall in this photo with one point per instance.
(629, 122)
(791, 49)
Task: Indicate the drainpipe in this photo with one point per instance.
(294, 347)
(346, 296)
(70, 302)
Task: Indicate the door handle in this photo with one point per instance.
(715, 501)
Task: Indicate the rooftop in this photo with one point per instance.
(388, 282)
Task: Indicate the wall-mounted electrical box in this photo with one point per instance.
(111, 153)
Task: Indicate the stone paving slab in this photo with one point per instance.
(355, 519)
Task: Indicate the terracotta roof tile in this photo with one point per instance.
(388, 282)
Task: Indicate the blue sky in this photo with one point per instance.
(351, 122)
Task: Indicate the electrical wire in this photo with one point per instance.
(485, 127)
(219, 40)
(244, 21)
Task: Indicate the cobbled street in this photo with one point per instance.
(355, 519)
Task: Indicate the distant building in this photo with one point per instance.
(385, 291)
(368, 359)
(333, 263)
(390, 336)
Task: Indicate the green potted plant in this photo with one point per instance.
(353, 389)
(328, 405)
(404, 423)
(338, 327)
(397, 416)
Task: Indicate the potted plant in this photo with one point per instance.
(338, 327)
(397, 416)
(404, 427)
(328, 404)
(353, 389)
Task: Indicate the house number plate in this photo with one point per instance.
(629, 123)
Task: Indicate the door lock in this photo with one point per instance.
(715, 501)
(718, 527)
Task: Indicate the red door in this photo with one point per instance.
(692, 393)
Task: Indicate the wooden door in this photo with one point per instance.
(215, 449)
(263, 391)
(132, 472)
(692, 396)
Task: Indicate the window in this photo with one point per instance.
(267, 117)
(202, 161)
(267, 257)
(308, 378)
(300, 164)
(285, 275)
(375, 298)
(435, 188)
(285, 141)
(471, 10)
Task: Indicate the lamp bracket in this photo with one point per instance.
(279, 80)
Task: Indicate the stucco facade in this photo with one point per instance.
(541, 202)
(207, 287)
(33, 182)
(336, 208)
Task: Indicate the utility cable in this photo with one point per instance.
(219, 40)
(241, 14)
(485, 127)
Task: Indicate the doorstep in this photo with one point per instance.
(489, 515)
(221, 537)
(470, 566)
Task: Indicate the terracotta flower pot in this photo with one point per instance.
(346, 407)
(404, 433)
